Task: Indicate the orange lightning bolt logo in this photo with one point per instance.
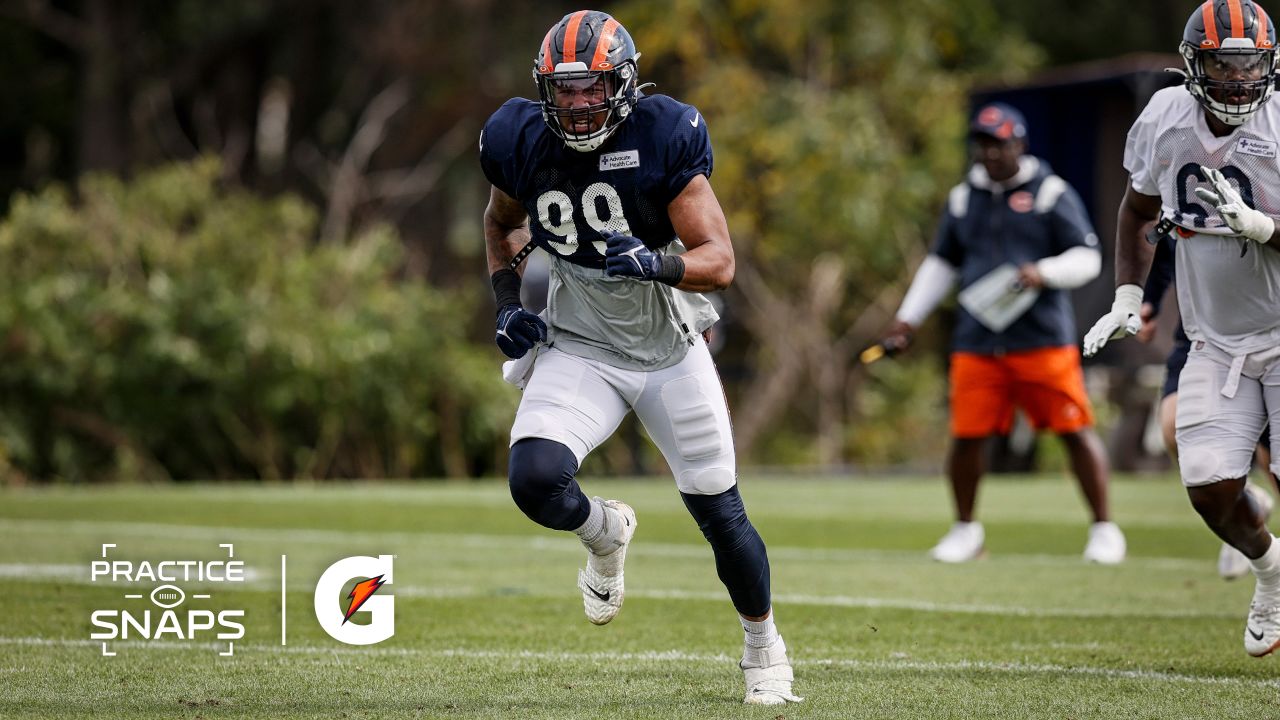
(360, 593)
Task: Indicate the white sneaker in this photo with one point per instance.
(962, 543)
(1106, 544)
(601, 580)
(1262, 497)
(768, 675)
(1262, 631)
(1231, 562)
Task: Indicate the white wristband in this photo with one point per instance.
(1260, 227)
(1128, 300)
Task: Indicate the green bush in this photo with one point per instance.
(174, 327)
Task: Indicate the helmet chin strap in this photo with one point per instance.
(1221, 110)
(1230, 119)
(591, 142)
(1234, 120)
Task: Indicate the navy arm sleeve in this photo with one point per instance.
(1161, 276)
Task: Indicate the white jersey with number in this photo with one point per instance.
(1228, 286)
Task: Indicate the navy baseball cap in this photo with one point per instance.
(1000, 121)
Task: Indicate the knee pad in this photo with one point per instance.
(531, 424)
(541, 475)
(741, 559)
(705, 481)
(700, 439)
(1200, 465)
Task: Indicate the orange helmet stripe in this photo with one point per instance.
(1210, 25)
(571, 36)
(1237, 18)
(600, 61)
(547, 65)
(1261, 40)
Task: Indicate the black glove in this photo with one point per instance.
(626, 256)
(518, 331)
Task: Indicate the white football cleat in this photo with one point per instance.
(768, 675)
(962, 543)
(1262, 498)
(1232, 563)
(1106, 544)
(601, 581)
(1262, 630)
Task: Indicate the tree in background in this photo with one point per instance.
(370, 110)
(838, 129)
(294, 335)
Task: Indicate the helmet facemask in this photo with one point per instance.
(1232, 81)
(584, 107)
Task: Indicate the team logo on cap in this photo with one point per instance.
(990, 115)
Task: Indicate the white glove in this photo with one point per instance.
(1123, 321)
(1242, 219)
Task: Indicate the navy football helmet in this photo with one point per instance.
(1229, 50)
(587, 78)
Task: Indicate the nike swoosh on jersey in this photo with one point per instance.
(696, 117)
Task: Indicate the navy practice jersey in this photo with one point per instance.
(624, 186)
(984, 227)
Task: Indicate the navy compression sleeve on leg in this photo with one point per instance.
(541, 474)
(741, 560)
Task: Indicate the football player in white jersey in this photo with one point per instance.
(1202, 161)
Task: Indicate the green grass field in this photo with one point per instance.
(489, 623)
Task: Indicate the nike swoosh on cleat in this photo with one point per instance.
(597, 593)
(1256, 635)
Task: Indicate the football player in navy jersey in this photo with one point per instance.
(613, 185)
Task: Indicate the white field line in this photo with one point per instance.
(669, 656)
(845, 601)
(566, 544)
(80, 575)
(1179, 515)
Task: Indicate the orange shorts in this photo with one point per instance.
(1046, 383)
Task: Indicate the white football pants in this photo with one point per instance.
(1224, 402)
(580, 403)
